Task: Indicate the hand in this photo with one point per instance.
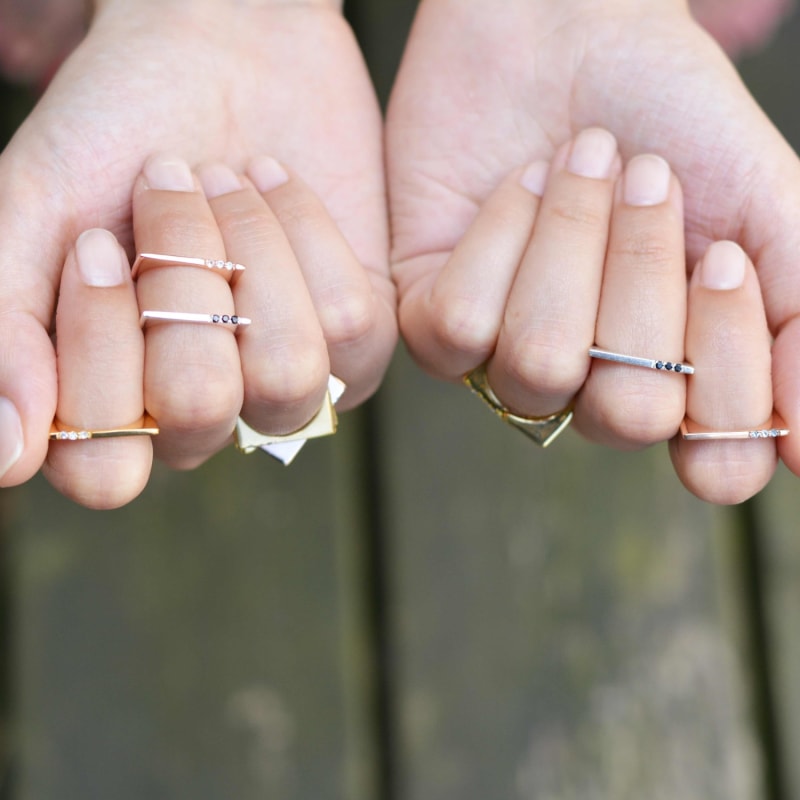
(300, 308)
(480, 92)
(216, 81)
(584, 253)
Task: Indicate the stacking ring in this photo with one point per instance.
(144, 426)
(648, 363)
(775, 429)
(233, 321)
(542, 430)
(286, 447)
(146, 261)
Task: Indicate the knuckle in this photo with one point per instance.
(349, 318)
(546, 366)
(104, 475)
(183, 226)
(642, 418)
(725, 479)
(647, 250)
(289, 376)
(245, 226)
(461, 325)
(204, 404)
(579, 215)
(300, 208)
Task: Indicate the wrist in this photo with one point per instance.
(605, 6)
(195, 7)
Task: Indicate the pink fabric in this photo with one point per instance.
(36, 35)
(741, 26)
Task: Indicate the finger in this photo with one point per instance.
(354, 305)
(283, 355)
(100, 365)
(451, 315)
(727, 341)
(642, 313)
(193, 380)
(542, 359)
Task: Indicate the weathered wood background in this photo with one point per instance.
(424, 607)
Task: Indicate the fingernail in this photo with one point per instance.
(169, 173)
(218, 179)
(267, 174)
(535, 177)
(100, 259)
(11, 441)
(723, 266)
(593, 153)
(646, 181)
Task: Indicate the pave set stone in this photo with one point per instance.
(73, 436)
(771, 434)
(669, 366)
(219, 264)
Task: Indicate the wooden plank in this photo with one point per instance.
(771, 76)
(563, 624)
(561, 618)
(193, 644)
(778, 512)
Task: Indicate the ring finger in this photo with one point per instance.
(284, 356)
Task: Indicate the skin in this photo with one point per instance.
(478, 94)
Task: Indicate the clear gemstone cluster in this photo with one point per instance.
(225, 318)
(772, 434)
(228, 265)
(73, 436)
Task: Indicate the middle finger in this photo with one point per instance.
(193, 380)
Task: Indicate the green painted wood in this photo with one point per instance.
(778, 515)
(198, 643)
(563, 620)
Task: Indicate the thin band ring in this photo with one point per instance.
(636, 361)
(146, 261)
(232, 321)
(775, 429)
(144, 426)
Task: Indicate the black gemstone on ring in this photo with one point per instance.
(679, 368)
(659, 365)
(215, 318)
(226, 318)
(235, 319)
(668, 366)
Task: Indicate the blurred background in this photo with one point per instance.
(424, 607)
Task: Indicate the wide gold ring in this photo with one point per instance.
(542, 430)
(285, 447)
